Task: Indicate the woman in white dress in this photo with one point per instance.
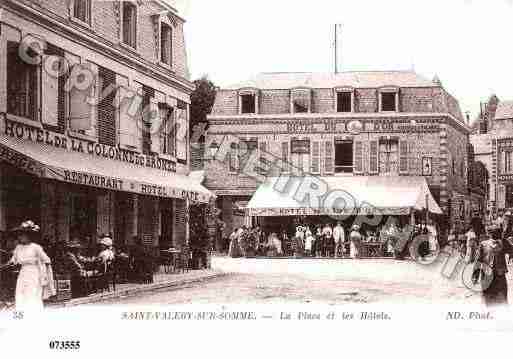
(35, 280)
(355, 239)
(309, 239)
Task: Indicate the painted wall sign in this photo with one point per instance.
(48, 138)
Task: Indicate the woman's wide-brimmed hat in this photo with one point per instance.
(106, 241)
(26, 227)
(355, 227)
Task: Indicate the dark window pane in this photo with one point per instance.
(388, 101)
(344, 101)
(248, 104)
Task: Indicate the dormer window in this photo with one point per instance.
(344, 98)
(389, 100)
(301, 100)
(247, 103)
(300, 108)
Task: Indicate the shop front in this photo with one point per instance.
(82, 194)
(373, 203)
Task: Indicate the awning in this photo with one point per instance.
(284, 196)
(51, 162)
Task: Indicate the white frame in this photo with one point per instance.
(344, 89)
(300, 90)
(162, 63)
(253, 92)
(76, 19)
(121, 39)
(388, 90)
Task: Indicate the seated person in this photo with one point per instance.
(74, 266)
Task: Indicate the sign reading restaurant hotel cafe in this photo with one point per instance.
(49, 142)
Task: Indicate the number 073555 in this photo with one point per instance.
(64, 344)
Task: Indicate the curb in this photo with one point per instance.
(137, 290)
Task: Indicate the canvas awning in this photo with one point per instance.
(46, 161)
(284, 196)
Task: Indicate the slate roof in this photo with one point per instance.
(357, 79)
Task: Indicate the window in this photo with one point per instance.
(23, 83)
(129, 23)
(300, 108)
(301, 100)
(168, 138)
(247, 103)
(343, 156)
(166, 36)
(344, 101)
(509, 196)
(82, 10)
(388, 157)
(388, 101)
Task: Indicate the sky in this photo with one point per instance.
(467, 43)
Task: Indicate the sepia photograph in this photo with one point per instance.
(208, 162)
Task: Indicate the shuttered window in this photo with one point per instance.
(166, 36)
(358, 156)
(262, 158)
(82, 10)
(233, 158)
(403, 156)
(373, 154)
(106, 111)
(285, 157)
(328, 157)
(316, 157)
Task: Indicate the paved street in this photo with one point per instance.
(264, 281)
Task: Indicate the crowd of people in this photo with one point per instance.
(328, 240)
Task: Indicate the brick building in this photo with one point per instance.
(492, 139)
(384, 123)
(94, 103)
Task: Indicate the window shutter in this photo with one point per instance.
(233, 158)
(316, 157)
(94, 93)
(155, 125)
(50, 95)
(181, 121)
(81, 112)
(373, 160)
(358, 157)
(285, 157)
(328, 156)
(403, 157)
(128, 114)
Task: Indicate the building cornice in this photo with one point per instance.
(259, 118)
(60, 25)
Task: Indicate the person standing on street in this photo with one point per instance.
(355, 240)
(35, 276)
(339, 237)
(327, 233)
(492, 252)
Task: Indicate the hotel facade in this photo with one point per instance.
(372, 125)
(94, 106)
